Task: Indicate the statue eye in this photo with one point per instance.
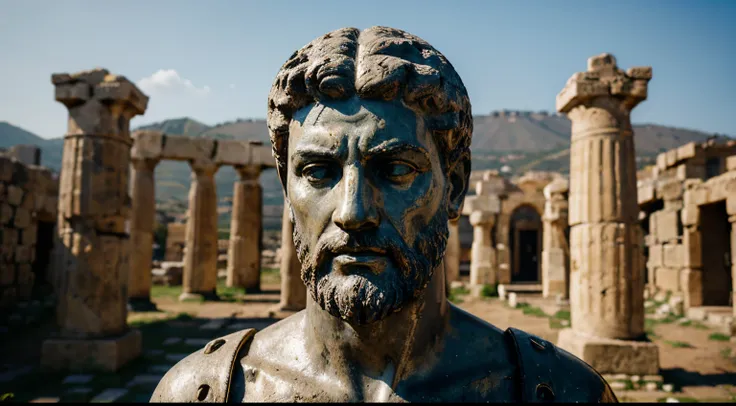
(398, 170)
(316, 173)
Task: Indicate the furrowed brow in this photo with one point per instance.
(311, 153)
(396, 148)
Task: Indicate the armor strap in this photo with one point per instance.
(536, 359)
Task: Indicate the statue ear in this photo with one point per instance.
(457, 178)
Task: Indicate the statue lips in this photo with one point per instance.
(347, 258)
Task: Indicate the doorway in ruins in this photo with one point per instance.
(43, 250)
(525, 244)
(715, 230)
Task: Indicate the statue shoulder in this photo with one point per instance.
(206, 375)
(549, 373)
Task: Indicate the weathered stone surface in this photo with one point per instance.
(609, 356)
(293, 290)
(244, 252)
(188, 149)
(200, 257)
(108, 354)
(147, 145)
(668, 225)
(141, 230)
(452, 254)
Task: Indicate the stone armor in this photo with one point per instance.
(545, 373)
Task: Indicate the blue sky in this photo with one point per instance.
(214, 60)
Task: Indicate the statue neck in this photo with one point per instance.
(392, 348)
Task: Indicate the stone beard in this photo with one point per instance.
(364, 297)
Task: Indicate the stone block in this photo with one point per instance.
(609, 356)
(22, 218)
(6, 169)
(671, 157)
(670, 190)
(687, 151)
(692, 249)
(645, 193)
(147, 144)
(232, 152)
(576, 91)
(668, 279)
(262, 155)
(731, 163)
(14, 195)
(23, 253)
(10, 237)
(667, 225)
(655, 256)
(6, 213)
(105, 354)
(673, 255)
(188, 149)
(690, 215)
(25, 281)
(692, 287)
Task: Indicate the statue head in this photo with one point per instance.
(371, 132)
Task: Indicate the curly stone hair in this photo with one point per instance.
(378, 63)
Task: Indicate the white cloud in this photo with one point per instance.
(169, 81)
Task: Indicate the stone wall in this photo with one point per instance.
(28, 195)
(672, 221)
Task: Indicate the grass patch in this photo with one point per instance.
(456, 294)
(530, 310)
(489, 291)
(679, 344)
(719, 337)
(562, 315)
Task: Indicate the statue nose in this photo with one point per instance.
(356, 209)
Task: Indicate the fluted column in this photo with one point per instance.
(483, 254)
(555, 248)
(606, 278)
(244, 252)
(92, 253)
(452, 254)
(143, 217)
(200, 258)
(293, 290)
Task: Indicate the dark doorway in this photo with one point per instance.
(716, 255)
(44, 247)
(525, 242)
(465, 230)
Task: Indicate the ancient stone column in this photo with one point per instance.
(91, 257)
(452, 254)
(732, 219)
(293, 290)
(483, 256)
(143, 218)
(555, 251)
(244, 253)
(606, 272)
(200, 258)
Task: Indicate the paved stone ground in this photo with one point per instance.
(698, 366)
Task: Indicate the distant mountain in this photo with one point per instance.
(181, 126)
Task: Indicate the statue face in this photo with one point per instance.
(369, 201)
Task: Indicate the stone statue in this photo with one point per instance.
(371, 133)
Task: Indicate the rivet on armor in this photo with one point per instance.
(538, 345)
(544, 392)
(202, 392)
(212, 346)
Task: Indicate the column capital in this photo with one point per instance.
(98, 84)
(482, 218)
(604, 79)
(248, 172)
(732, 219)
(144, 164)
(203, 168)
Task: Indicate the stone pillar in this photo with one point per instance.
(555, 248)
(143, 218)
(293, 290)
(200, 258)
(483, 254)
(91, 257)
(606, 276)
(452, 254)
(244, 253)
